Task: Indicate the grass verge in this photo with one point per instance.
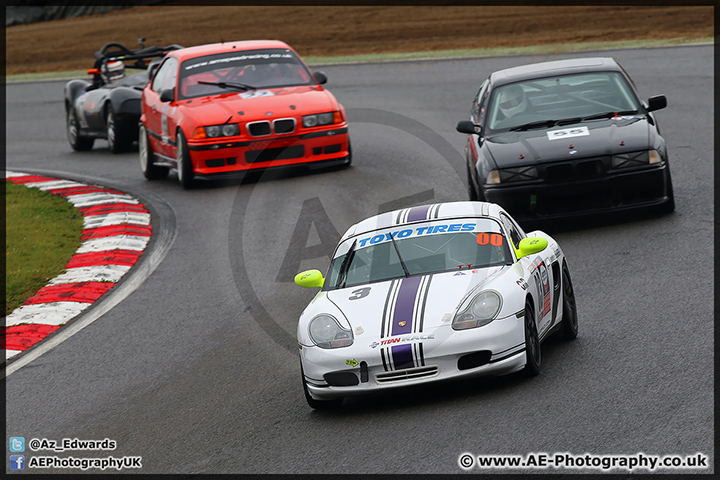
(42, 233)
(427, 55)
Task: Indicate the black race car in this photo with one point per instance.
(566, 138)
(109, 105)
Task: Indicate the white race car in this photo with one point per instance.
(430, 293)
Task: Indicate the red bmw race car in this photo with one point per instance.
(220, 110)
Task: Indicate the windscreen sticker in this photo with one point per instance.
(256, 93)
(432, 229)
(237, 58)
(494, 239)
(568, 133)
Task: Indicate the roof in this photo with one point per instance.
(557, 67)
(213, 48)
(422, 213)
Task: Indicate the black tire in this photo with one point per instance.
(669, 205)
(184, 164)
(147, 158)
(473, 193)
(533, 353)
(77, 142)
(318, 404)
(119, 136)
(349, 158)
(569, 323)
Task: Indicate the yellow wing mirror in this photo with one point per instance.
(531, 245)
(311, 278)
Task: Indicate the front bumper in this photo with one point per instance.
(495, 349)
(218, 158)
(613, 191)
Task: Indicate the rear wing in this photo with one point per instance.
(139, 58)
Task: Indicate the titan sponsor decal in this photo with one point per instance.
(568, 133)
(402, 339)
(430, 230)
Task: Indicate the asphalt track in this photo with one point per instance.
(195, 369)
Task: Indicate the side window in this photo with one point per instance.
(478, 107)
(474, 112)
(166, 75)
(513, 229)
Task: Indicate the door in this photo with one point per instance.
(156, 111)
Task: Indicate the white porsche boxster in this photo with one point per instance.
(431, 293)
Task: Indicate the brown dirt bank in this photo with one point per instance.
(321, 31)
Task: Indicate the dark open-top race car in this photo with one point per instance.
(109, 106)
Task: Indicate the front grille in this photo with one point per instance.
(474, 360)
(220, 162)
(270, 154)
(576, 170)
(407, 374)
(279, 126)
(341, 379)
(284, 125)
(258, 129)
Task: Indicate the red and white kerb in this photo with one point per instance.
(116, 230)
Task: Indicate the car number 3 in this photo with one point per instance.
(359, 293)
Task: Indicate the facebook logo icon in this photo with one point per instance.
(17, 462)
(17, 444)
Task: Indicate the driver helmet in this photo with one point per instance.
(267, 70)
(113, 71)
(512, 100)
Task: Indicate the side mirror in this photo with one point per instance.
(531, 245)
(310, 278)
(320, 77)
(656, 103)
(93, 71)
(152, 68)
(466, 126)
(167, 95)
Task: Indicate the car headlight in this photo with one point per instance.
(481, 310)
(321, 119)
(326, 332)
(516, 174)
(214, 131)
(636, 159)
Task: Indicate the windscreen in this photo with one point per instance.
(418, 250)
(242, 71)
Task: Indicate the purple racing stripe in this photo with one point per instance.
(402, 356)
(418, 213)
(403, 314)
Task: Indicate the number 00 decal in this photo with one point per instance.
(494, 239)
